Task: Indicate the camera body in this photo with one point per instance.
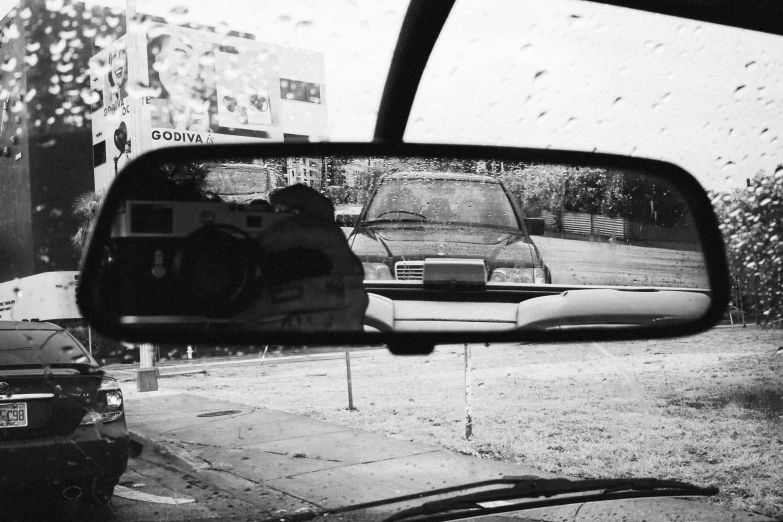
(181, 258)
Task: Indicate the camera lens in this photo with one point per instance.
(216, 264)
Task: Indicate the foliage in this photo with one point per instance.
(103, 347)
(751, 219)
(85, 210)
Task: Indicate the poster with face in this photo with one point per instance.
(117, 75)
(210, 88)
(110, 111)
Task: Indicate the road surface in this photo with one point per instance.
(593, 263)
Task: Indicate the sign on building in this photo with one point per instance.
(192, 87)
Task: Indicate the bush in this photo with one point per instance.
(751, 219)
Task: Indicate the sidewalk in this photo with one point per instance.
(323, 464)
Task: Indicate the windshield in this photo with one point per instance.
(453, 200)
(274, 431)
(41, 348)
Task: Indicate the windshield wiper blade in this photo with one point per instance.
(398, 220)
(469, 505)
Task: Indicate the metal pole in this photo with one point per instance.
(350, 387)
(757, 307)
(468, 398)
(147, 375)
(739, 302)
(89, 338)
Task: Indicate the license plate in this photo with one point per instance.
(13, 415)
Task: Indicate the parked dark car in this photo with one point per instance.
(411, 217)
(62, 421)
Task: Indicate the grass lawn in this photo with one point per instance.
(706, 409)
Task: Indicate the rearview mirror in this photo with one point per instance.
(409, 245)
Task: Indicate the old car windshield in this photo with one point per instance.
(436, 199)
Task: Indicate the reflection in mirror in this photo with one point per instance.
(398, 244)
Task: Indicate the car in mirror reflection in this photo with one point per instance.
(458, 228)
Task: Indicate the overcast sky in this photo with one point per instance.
(543, 73)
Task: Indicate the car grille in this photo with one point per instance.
(409, 270)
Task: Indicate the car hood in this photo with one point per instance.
(498, 247)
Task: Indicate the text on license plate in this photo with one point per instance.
(13, 415)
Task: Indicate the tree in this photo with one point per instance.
(85, 210)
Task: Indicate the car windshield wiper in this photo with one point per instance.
(398, 220)
(498, 499)
(399, 211)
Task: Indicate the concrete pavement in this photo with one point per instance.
(317, 464)
(321, 463)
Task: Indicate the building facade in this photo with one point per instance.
(45, 152)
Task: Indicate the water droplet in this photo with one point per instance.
(303, 27)
(739, 91)
(137, 90)
(54, 5)
(9, 66)
(57, 48)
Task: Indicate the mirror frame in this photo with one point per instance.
(419, 342)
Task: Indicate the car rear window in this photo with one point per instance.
(452, 200)
(44, 347)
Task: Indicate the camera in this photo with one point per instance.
(179, 258)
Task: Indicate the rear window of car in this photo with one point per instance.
(454, 200)
(44, 347)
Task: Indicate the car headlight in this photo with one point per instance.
(518, 275)
(376, 271)
(107, 404)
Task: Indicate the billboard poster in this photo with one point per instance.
(209, 88)
(111, 110)
(173, 86)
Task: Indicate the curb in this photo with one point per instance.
(164, 375)
(167, 453)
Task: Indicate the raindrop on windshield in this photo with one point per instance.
(54, 5)
(9, 66)
(303, 27)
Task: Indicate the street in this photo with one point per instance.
(127, 373)
(622, 265)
